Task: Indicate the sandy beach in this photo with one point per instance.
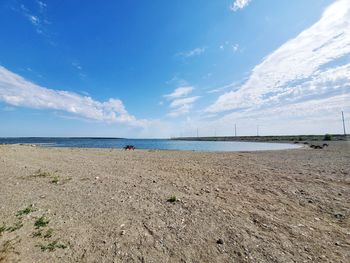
(104, 205)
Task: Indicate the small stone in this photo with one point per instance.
(97, 177)
(337, 243)
(220, 241)
(339, 215)
(122, 233)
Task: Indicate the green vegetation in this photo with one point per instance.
(48, 233)
(55, 179)
(40, 173)
(15, 227)
(327, 137)
(25, 211)
(37, 233)
(52, 246)
(172, 199)
(2, 229)
(41, 222)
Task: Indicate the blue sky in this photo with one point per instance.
(160, 69)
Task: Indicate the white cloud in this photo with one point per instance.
(194, 52)
(39, 20)
(180, 111)
(184, 101)
(179, 92)
(239, 4)
(179, 103)
(77, 66)
(16, 91)
(304, 69)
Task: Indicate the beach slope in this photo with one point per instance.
(104, 205)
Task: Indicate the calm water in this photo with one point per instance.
(161, 144)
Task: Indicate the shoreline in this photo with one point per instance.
(270, 138)
(46, 145)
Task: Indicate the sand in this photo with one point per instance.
(103, 205)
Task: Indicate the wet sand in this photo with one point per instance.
(103, 205)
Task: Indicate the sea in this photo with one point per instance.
(149, 144)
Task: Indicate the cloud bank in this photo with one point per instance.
(16, 91)
(311, 67)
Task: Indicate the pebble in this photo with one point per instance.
(339, 215)
(122, 233)
(220, 241)
(97, 177)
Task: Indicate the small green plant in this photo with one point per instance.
(48, 233)
(2, 229)
(37, 233)
(55, 179)
(15, 227)
(172, 199)
(327, 137)
(40, 173)
(41, 222)
(52, 246)
(25, 211)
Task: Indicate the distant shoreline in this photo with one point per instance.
(277, 138)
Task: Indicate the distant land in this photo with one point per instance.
(273, 138)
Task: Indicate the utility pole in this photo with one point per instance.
(235, 130)
(342, 114)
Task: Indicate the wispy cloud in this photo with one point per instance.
(16, 91)
(224, 87)
(191, 53)
(76, 65)
(36, 18)
(42, 6)
(179, 103)
(184, 101)
(310, 67)
(179, 92)
(229, 46)
(239, 4)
